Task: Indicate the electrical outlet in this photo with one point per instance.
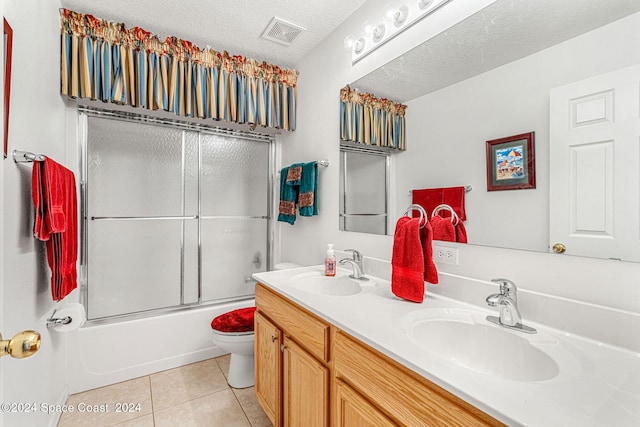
(445, 255)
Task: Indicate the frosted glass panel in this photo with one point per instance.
(365, 185)
(232, 250)
(191, 175)
(234, 176)
(134, 169)
(133, 266)
(149, 171)
(366, 224)
(363, 192)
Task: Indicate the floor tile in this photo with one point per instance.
(217, 409)
(179, 385)
(223, 363)
(108, 401)
(251, 407)
(145, 421)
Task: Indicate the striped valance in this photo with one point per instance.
(105, 61)
(368, 120)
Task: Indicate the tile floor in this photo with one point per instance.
(191, 395)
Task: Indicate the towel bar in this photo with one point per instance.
(26, 157)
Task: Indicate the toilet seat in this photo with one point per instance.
(235, 322)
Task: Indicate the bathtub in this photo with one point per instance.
(104, 354)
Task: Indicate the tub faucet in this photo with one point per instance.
(356, 263)
(507, 302)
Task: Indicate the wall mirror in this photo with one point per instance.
(489, 77)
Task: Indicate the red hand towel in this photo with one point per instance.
(429, 198)
(461, 232)
(53, 189)
(407, 261)
(426, 238)
(443, 229)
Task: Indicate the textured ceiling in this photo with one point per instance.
(231, 25)
(502, 32)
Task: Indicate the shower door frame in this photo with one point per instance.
(84, 113)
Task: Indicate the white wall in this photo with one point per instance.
(328, 68)
(37, 124)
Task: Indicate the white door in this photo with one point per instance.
(594, 163)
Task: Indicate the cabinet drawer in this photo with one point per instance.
(399, 392)
(307, 329)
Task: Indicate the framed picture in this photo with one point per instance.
(8, 50)
(511, 163)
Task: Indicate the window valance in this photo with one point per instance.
(106, 61)
(369, 120)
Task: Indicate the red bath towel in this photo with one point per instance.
(426, 239)
(461, 232)
(443, 229)
(429, 198)
(407, 261)
(53, 189)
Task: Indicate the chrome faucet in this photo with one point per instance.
(356, 263)
(507, 302)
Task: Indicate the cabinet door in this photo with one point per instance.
(306, 389)
(353, 410)
(268, 368)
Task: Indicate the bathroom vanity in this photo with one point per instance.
(334, 351)
(309, 371)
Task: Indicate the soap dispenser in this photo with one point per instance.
(330, 262)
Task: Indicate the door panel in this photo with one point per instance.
(594, 163)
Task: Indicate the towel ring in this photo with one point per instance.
(454, 215)
(423, 214)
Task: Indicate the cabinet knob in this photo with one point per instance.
(274, 338)
(283, 348)
(559, 248)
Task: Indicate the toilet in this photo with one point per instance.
(233, 332)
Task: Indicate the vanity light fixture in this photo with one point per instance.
(395, 19)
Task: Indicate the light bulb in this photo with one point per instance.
(378, 32)
(349, 41)
(389, 11)
(400, 15)
(358, 45)
(367, 28)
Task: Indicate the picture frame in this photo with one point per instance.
(8, 52)
(511, 162)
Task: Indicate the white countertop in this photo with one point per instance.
(599, 384)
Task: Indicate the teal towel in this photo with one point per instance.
(307, 195)
(298, 187)
(288, 196)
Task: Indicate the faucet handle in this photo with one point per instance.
(357, 256)
(507, 287)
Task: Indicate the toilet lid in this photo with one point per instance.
(240, 320)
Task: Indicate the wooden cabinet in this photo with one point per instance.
(306, 388)
(404, 396)
(309, 373)
(353, 410)
(291, 355)
(268, 339)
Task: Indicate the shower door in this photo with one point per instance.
(174, 216)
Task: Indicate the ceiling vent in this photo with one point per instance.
(281, 31)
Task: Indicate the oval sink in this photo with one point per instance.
(467, 339)
(317, 283)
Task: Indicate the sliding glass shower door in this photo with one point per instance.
(174, 216)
